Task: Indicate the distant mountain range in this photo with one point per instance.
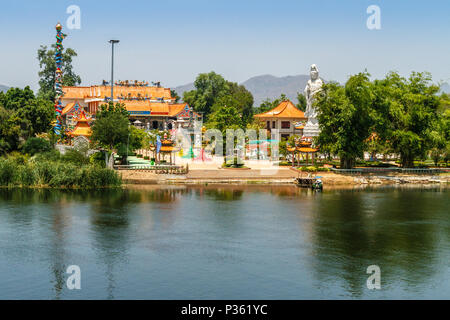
(3, 88)
(266, 86)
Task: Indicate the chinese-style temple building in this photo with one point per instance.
(82, 127)
(285, 117)
(152, 106)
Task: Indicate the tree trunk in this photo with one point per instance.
(407, 161)
(347, 163)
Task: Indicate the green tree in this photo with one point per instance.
(22, 116)
(406, 112)
(36, 145)
(225, 117)
(175, 95)
(212, 91)
(135, 140)
(111, 128)
(344, 115)
(47, 71)
(301, 101)
(208, 88)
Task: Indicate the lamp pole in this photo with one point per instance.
(112, 68)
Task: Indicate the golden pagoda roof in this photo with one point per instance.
(82, 127)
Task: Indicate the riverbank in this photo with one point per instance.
(275, 176)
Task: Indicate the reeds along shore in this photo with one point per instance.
(56, 174)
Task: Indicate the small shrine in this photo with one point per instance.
(82, 128)
(302, 147)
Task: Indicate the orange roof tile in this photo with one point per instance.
(176, 108)
(307, 150)
(285, 109)
(76, 92)
(82, 128)
(67, 108)
(119, 91)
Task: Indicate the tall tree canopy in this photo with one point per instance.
(47, 71)
(406, 110)
(212, 92)
(112, 131)
(344, 114)
(393, 114)
(22, 115)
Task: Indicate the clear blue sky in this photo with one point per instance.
(172, 41)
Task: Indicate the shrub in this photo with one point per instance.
(52, 155)
(24, 176)
(36, 145)
(44, 172)
(7, 171)
(97, 177)
(98, 159)
(75, 157)
(66, 175)
(233, 163)
(18, 158)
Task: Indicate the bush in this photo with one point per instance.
(75, 157)
(56, 175)
(66, 175)
(36, 145)
(7, 171)
(233, 163)
(98, 159)
(96, 177)
(52, 155)
(24, 176)
(18, 158)
(44, 172)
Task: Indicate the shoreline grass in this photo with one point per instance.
(55, 174)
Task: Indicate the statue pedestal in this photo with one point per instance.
(311, 129)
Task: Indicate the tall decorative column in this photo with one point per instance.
(58, 78)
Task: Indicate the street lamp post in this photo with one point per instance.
(112, 68)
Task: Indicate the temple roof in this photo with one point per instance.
(82, 128)
(285, 109)
(119, 91)
(163, 109)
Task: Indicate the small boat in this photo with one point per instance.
(309, 182)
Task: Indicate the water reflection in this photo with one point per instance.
(394, 229)
(129, 239)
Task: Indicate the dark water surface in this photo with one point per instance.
(225, 242)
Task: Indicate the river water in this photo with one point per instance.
(225, 242)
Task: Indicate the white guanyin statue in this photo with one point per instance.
(313, 86)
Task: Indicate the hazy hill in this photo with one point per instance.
(3, 88)
(266, 86)
(445, 87)
(181, 89)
